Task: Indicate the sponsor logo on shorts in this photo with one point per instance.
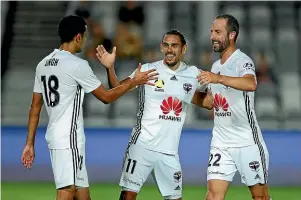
(216, 172)
(257, 176)
(177, 176)
(254, 165)
(178, 188)
(127, 180)
(80, 178)
(168, 105)
(221, 106)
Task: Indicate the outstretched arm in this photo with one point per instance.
(140, 78)
(108, 61)
(113, 79)
(245, 83)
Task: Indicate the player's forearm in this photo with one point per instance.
(34, 116)
(208, 102)
(115, 93)
(203, 100)
(112, 78)
(239, 83)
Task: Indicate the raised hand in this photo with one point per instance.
(28, 156)
(141, 78)
(106, 58)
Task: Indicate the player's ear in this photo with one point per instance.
(184, 49)
(232, 35)
(78, 37)
(161, 47)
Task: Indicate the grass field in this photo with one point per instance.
(46, 191)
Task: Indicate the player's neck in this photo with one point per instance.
(173, 68)
(68, 47)
(227, 53)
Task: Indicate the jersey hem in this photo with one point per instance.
(158, 150)
(78, 146)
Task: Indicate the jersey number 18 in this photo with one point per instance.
(50, 90)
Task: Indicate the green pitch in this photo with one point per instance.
(46, 191)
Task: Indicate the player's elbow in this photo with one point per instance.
(106, 100)
(209, 106)
(253, 87)
(103, 95)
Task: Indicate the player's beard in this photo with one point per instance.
(171, 64)
(222, 45)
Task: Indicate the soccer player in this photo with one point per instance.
(61, 80)
(237, 142)
(154, 142)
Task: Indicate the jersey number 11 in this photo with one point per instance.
(51, 85)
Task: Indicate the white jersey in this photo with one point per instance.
(163, 107)
(63, 78)
(235, 123)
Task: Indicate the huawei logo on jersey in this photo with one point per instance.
(221, 106)
(171, 106)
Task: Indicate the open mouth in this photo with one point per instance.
(215, 43)
(170, 56)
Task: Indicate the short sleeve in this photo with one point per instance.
(37, 86)
(85, 77)
(245, 66)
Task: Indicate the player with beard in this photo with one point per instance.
(237, 142)
(154, 142)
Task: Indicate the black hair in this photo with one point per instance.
(178, 33)
(232, 23)
(82, 13)
(70, 26)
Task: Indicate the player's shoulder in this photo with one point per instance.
(43, 61)
(191, 69)
(242, 58)
(154, 65)
(74, 60)
(215, 64)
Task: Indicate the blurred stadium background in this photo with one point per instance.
(270, 32)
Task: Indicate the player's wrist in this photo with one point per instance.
(30, 143)
(133, 82)
(110, 68)
(220, 79)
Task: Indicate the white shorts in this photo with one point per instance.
(69, 167)
(165, 169)
(252, 162)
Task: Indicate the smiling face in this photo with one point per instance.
(172, 49)
(220, 37)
